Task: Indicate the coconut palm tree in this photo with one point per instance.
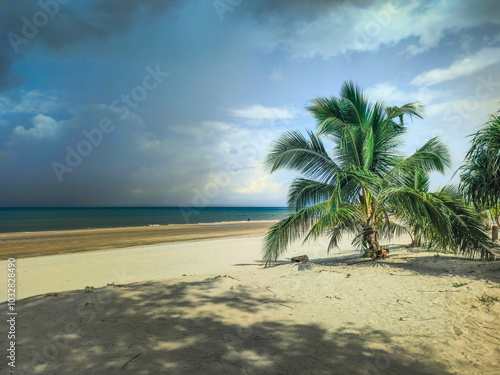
(365, 186)
(480, 177)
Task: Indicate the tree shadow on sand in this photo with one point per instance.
(212, 326)
(432, 265)
(439, 265)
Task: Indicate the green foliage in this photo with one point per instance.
(486, 298)
(458, 285)
(366, 254)
(444, 219)
(364, 185)
(480, 174)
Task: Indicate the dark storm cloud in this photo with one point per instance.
(25, 24)
(101, 20)
(7, 81)
(7, 56)
(76, 22)
(299, 9)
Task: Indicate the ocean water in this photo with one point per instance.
(45, 219)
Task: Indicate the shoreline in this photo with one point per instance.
(43, 243)
(143, 226)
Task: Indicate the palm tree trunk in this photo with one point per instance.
(370, 235)
(416, 238)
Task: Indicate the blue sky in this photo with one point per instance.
(156, 103)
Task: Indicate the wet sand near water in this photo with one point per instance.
(24, 245)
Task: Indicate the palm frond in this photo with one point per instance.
(304, 192)
(348, 138)
(356, 107)
(293, 151)
(392, 229)
(480, 174)
(286, 231)
(410, 109)
(432, 156)
(383, 137)
(443, 218)
(420, 207)
(345, 219)
(466, 225)
(323, 108)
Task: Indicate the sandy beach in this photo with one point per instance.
(205, 306)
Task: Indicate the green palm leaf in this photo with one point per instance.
(480, 175)
(295, 152)
(304, 192)
(286, 231)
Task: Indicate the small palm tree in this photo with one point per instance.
(480, 177)
(365, 186)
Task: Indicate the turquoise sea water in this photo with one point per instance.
(44, 219)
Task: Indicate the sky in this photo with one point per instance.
(175, 103)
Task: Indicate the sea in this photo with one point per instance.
(50, 219)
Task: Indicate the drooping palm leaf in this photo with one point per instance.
(304, 192)
(480, 175)
(286, 231)
(467, 228)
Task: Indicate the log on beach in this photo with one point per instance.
(300, 259)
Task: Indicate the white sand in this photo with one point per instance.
(228, 315)
(57, 273)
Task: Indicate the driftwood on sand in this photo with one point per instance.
(300, 259)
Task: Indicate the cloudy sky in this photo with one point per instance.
(167, 103)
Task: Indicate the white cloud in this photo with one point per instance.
(29, 102)
(261, 185)
(387, 92)
(260, 112)
(346, 27)
(147, 142)
(43, 127)
(393, 95)
(224, 148)
(460, 68)
(466, 113)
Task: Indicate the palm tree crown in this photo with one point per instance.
(480, 177)
(365, 186)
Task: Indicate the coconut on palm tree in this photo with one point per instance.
(364, 185)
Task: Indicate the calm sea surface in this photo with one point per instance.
(44, 219)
